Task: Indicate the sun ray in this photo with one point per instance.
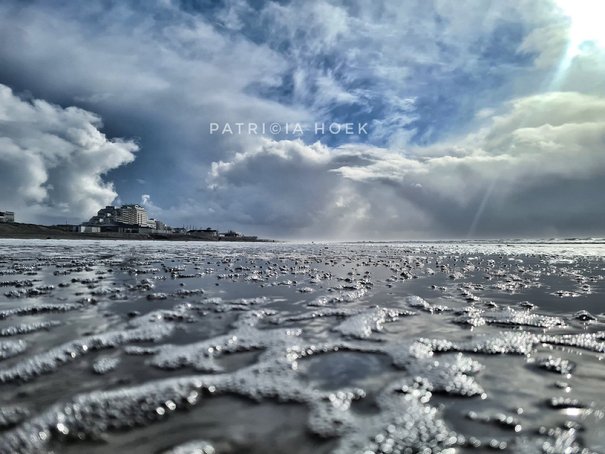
(585, 26)
(586, 22)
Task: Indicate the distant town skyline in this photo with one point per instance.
(437, 119)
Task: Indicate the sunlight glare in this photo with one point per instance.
(586, 21)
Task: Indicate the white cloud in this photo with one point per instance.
(168, 71)
(512, 175)
(52, 160)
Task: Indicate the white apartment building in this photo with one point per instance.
(133, 214)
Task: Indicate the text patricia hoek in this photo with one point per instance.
(276, 128)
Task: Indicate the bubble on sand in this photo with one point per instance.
(46, 362)
(34, 309)
(341, 297)
(11, 348)
(192, 447)
(417, 302)
(565, 402)
(11, 415)
(500, 419)
(554, 364)
(26, 328)
(405, 422)
(507, 316)
(202, 355)
(365, 323)
(104, 365)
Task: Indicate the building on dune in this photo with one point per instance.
(7, 217)
(133, 214)
(205, 234)
(235, 236)
(78, 228)
(126, 214)
(130, 218)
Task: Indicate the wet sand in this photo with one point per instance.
(125, 346)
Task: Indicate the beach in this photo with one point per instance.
(126, 346)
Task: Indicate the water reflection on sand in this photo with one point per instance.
(204, 347)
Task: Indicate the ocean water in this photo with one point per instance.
(153, 347)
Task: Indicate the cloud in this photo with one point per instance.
(52, 160)
(160, 74)
(461, 102)
(514, 175)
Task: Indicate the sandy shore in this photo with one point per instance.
(41, 232)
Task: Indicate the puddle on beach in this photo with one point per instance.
(151, 347)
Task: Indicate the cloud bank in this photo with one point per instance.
(52, 160)
(482, 121)
(537, 166)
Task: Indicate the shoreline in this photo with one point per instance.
(42, 232)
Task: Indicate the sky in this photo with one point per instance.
(449, 119)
